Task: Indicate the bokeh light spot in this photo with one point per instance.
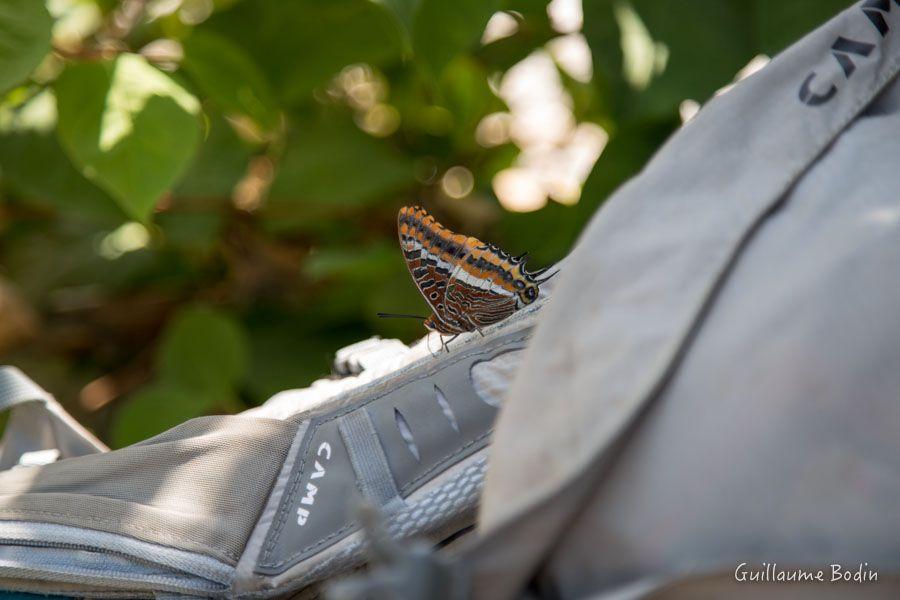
(500, 25)
(458, 182)
(381, 120)
(493, 130)
(126, 238)
(519, 190)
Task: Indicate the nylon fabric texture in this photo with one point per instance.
(197, 487)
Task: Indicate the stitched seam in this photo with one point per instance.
(444, 460)
(287, 500)
(166, 536)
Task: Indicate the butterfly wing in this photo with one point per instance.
(476, 306)
(481, 290)
(467, 283)
(431, 252)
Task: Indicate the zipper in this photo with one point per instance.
(149, 575)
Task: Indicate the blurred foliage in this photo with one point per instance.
(199, 196)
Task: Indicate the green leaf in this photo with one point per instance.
(218, 165)
(38, 169)
(691, 39)
(604, 39)
(301, 44)
(193, 233)
(404, 11)
(534, 30)
(443, 29)
(371, 262)
(721, 35)
(396, 293)
(778, 24)
(467, 95)
(280, 361)
(228, 75)
(333, 163)
(129, 126)
(155, 409)
(24, 39)
(204, 349)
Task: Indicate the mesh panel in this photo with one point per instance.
(198, 487)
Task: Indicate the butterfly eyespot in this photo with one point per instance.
(520, 284)
(433, 295)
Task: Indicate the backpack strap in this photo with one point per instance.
(39, 430)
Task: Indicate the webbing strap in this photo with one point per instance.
(16, 388)
(373, 474)
(39, 429)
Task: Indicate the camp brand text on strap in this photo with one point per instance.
(845, 49)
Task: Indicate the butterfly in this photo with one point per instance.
(467, 283)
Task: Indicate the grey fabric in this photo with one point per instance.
(792, 380)
(491, 378)
(62, 536)
(434, 512)
(93, 569)
(38, 423)
(416, 425)
(16, 388)
(373, 475)
(197, 487)
(199, 490)
(441, 504)
(245, 581)
(741, 294)
(317, 509)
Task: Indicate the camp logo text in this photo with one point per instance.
(309, 498)
(835, 573)
(844, 50)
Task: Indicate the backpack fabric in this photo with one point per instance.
(265, 503)
(716, 378)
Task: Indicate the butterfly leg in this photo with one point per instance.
(428, 346)
(447, 343)
(480, 332)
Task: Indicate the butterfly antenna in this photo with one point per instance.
(382, 315)
(547, 278)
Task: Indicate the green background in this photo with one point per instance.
(195, 214)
